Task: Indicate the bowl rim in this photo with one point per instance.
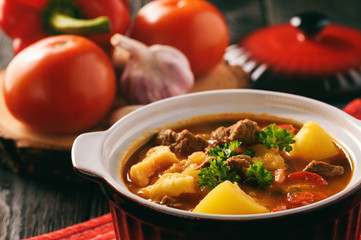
(244, 217)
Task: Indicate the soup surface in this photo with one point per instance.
(238, 164)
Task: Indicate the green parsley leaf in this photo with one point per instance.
(215, 174)
(224, 151)
(249, 152)
(259, 176)
(276, 138)
(218, 172)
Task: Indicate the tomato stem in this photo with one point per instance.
(64, 17)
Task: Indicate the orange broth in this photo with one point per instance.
(273, 196)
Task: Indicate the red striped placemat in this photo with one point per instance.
(101, 228)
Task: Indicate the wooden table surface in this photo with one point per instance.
(30, 207)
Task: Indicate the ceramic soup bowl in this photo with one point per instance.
(97, 155)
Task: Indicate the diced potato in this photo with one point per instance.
(191, 172)
(273, 161)
(157, 159)
(261, 150)
(313, 143)
(194, 160)
(170, 184)
(197, 158)
(177, 167)
(228, 198)
(270, 157)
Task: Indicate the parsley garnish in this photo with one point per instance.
(276, 138)
(259, 176)
(216, 173)
(249, 152)
(219, 172)
(224, 151)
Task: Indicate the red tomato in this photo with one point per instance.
(305, 198)
(195, 27)
(279, 208)
(61, 84)
(309, 177)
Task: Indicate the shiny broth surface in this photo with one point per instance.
(278, 196)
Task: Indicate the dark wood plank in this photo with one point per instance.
(30, 207)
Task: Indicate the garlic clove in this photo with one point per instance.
(153, 73)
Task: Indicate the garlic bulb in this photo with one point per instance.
(152, 73)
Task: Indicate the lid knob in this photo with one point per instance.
(310, 23)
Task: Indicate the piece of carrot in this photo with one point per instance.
(279, 176)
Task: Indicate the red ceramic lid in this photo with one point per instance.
(309, 47)
(287, 50)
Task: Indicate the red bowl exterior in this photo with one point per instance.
(340, 219)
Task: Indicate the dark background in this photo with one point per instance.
(30, 206)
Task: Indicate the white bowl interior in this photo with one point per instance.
(116, 140)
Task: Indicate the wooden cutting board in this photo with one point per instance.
(48, 155)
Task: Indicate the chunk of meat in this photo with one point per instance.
(170, 202)
(166, 137)
(324, 169)
(183, 143)
(244, 130)
(239, 164)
